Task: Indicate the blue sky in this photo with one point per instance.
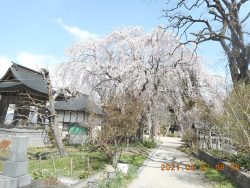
(36, 32)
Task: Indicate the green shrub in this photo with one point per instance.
(219, 154)
(237, 117)
(214, 175)
(97, 160)
(44, 174)
(186, 149)
(172, 134)
(51, 136)
(243, 159)
(136, 144)
(134, 159)
(121, 180)
(219, 179)
(38, 175)
(132, 172)
(149, 144)
(84, 162)
(189, 137)
(85, 174)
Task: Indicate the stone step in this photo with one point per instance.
(15, 169)
(9, 182)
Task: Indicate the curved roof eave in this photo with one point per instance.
(30, 78)
(5, 76)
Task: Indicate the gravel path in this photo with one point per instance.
(151, 175)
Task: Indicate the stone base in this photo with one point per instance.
(8, 182)
(15, 169)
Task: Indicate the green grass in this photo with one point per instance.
(212, 175)
(137, 152)
(188, 150)
(51, 164)
(172, 134)
(242, 158)
(136, 145)
(219, 180)
(218, 153)
(134, 159)
(85, 161)
(121, 180)
(1, 165)
(148, 143)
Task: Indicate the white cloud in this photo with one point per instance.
(30, 60)
(5, 63)
(76, 31)
(37, 61)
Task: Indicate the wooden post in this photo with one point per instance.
(3, 108)
(39, 162)
(71, 166)
(54, 166)
(88, 163)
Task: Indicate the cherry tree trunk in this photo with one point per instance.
(57, 135)
(54, 121)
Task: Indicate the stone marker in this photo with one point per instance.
(15, 172)
(122, 167)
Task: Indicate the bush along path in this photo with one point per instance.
(169, 167)
(212, 175)
(134, 156)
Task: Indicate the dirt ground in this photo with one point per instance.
(151, 174)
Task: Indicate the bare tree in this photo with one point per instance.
(53, 115)
(221, 21)
(43, 110)
(237, 116)
(121, 123)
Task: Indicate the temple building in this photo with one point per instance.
(25, 92)
(23, 109)
(23, 98)
(79, 111)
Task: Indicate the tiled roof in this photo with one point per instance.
(17, 75)
(20, 78)
(80, 103)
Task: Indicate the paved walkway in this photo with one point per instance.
(151, 175)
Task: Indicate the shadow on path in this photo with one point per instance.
(151, 174)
